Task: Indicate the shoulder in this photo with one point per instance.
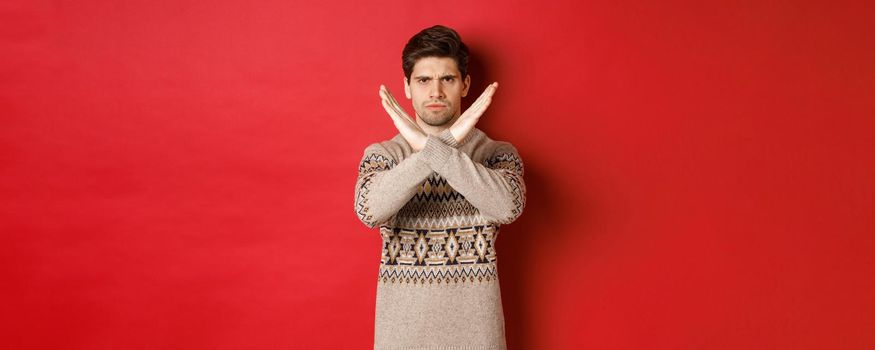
(395, 149)
(504, 155)
(490, 148)
(504, 147)
(500, 154)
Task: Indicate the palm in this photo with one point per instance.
(408, 128)
(467, 120)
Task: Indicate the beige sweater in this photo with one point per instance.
(439, 211)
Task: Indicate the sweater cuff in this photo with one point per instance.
(436, 152)
(447, 137)
(420, 162)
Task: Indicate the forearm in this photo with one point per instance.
(499, 194)
(380, 194)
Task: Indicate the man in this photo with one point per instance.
(439, 191)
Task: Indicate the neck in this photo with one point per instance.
(435, 129)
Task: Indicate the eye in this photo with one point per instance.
(422, 80)
(449, 78)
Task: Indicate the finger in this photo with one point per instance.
(391, 112)
(397, 112)
(479, 106)
(396, 109)
(391, 97)
(400, 118)
(396, 115)
(490, 90)
(397, 106)
(487, 93)
(384, 92)
(486, 97)
(483, 105)
(388, 99)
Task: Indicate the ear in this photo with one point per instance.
(467, 85)
(407, 89)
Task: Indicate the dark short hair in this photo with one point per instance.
(435, 41)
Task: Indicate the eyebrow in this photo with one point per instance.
(428, 77)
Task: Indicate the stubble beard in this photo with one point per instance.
(439, 118)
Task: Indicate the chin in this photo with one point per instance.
(432, 123)
(437, 120)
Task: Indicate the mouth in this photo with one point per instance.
(435, 106)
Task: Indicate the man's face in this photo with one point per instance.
(436, 88)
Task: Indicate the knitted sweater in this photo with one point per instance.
(439, 211)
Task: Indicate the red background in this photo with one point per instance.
(179, 174)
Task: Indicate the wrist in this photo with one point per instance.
(447, 137)
(423, 143)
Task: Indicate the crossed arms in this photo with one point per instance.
(384, 185)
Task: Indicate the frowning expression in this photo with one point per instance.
(436, 88)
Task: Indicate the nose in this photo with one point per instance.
(435, 90)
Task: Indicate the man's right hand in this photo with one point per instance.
(408, 128)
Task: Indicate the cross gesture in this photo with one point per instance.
(416, 137)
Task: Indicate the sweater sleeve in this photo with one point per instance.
(496, 189)
(384, 186)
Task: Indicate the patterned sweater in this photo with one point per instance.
(439, 211)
